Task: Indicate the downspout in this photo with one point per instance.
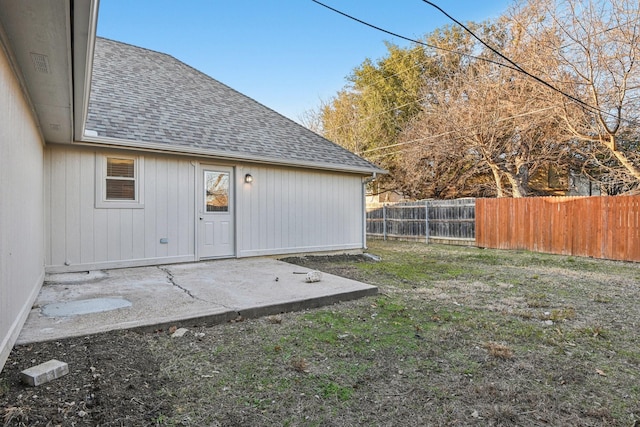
(364, 208)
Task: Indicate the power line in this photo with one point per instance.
(522, 70)
(451, 131)
(511, 64)
(378, 114)
(418, 42)
(413, 40)
(391, 64)
(497, 52)
(514, 68)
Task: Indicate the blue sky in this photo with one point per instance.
(286, 54)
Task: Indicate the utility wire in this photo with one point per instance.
(502, 119)
(511, 64)
(414, 40)
(378, 114)
(418, 42)
(516, 68)
(522, 70)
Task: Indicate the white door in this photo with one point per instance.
(216, 229)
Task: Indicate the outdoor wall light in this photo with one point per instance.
(248, 178)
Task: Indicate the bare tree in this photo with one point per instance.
(443, 123)
(593, 48)
(312, 120)
(492, 117)
(435, 165)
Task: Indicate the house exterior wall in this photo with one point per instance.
(81, 236)
(21, 208)
(284, 210)
(294, 210)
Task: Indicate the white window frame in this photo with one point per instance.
(101, 183)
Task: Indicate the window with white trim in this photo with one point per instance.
(118, 181)
(121, 179)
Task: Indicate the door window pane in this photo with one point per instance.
(216, 185)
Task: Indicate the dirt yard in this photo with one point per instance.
(457, 336)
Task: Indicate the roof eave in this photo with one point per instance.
(223, 155)
(85, 22)
(38, 35)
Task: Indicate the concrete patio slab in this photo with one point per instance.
(202, 293)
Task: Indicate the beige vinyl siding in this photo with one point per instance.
(294, 210)
(284, 210)
(21, 209)
(82, 236)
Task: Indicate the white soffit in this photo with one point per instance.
(39, 35)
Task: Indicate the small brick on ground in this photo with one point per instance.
(44, 372)
(179, 332)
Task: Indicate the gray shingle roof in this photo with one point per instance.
(144, 96)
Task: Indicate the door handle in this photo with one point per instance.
(201, 218)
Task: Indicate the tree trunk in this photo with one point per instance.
(495, 171)
(516, 187)
(622, 158)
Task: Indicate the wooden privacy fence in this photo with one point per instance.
(446, 221)
(600, 227)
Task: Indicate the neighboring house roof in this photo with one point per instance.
(144, 96)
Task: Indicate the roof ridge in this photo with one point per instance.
(135, 46)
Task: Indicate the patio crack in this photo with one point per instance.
(172, 280)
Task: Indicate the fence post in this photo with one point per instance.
(384, 222)
(426, 221)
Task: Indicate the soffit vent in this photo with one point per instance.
(40, 62)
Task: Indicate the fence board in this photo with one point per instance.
(600, 227)
(452, 220)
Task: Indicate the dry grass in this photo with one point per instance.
(14, 415)
(458, 336)
(275, 319)
(498, 350)
(300, 364)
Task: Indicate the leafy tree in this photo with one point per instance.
(382, 97)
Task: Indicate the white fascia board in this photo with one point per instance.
(85, 17)
(201, 152)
